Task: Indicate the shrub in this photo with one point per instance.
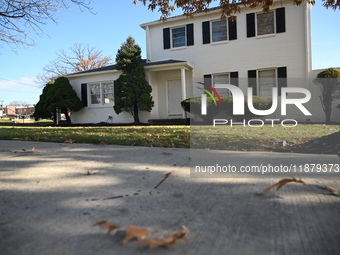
(193, 105)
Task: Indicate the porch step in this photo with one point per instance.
(169, 121)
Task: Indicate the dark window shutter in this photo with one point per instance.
(282, 78)
(232, 30)
(207, 79)
(206, 32)
(280, 20)
(166, 38)
(115, 90)
(252, 81)
(234, 78)
(190, 34)
(84, 94)
(250, 24)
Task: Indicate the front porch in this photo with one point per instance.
(171, 82)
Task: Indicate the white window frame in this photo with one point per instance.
(102, 98)
(211, 33)
(213, 81)
(185, 37)
(256, 25)
(258, 80)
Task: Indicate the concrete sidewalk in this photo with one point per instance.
(48, 205)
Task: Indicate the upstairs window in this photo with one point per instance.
(178, 37)
(219, 30)
(265, 23)
(260, 24)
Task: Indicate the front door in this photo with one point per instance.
(174, 98)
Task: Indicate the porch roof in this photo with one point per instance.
(152, 66)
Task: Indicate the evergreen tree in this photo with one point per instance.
(57, 95)
(132, 91)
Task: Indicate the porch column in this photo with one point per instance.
(183, 86)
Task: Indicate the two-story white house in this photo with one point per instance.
(258, 50)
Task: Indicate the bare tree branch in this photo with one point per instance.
(78, 58)
(19, 18)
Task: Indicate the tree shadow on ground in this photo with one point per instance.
(48, 205)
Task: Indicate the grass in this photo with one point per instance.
(157, 136)
(220, 137)
(264, 138)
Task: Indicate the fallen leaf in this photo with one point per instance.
(166, 242)
(167, 153)
(134, 232)
(31, 150)
(69, 141)
(280, 184)
(92, 172)
(112, 197)
(332, 190)
(106, 224)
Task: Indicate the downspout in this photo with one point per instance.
(308, 39)
(308, 54)
(183, 88)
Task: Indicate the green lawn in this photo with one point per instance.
(266, 138)
(208, 137)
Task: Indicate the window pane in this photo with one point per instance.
(95, 89)
(222, 79)
(178, 37)
(267, 81)
(95, 99)
(219, 31)
(265, 23)
(108, 93)
(95, 93)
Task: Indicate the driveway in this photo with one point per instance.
(49, 204)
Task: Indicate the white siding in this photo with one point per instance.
(100, 113)
(289, 49)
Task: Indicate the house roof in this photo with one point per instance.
(113, 68)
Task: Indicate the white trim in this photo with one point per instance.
(91, 73)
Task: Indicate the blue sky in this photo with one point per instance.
(113, 23)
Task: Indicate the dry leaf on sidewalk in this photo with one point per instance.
(106, 224)
(92, 172)
(332, 190)
(134, 232)
(166, 242)
(167, 153)
(280, 184)
(31, 150)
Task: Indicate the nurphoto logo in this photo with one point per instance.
(238, 104)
